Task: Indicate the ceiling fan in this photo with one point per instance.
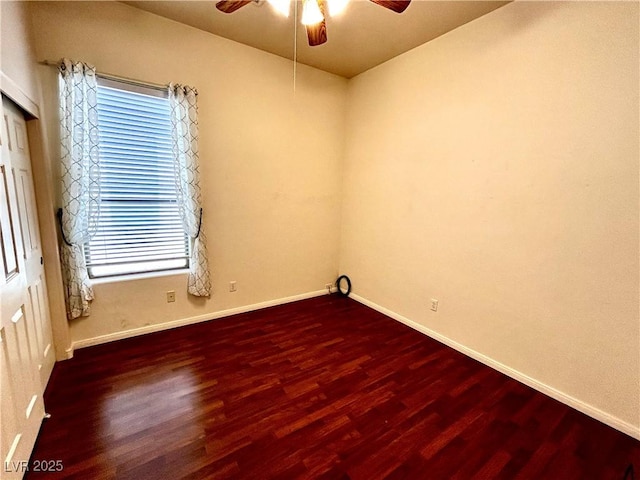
(313, 12)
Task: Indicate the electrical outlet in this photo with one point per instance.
(329, 286)
(232, 286)
(171, 296)
(434, 304)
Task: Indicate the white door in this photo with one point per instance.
(26, 354)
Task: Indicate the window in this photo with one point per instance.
(140, 228)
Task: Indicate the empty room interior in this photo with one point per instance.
(241, 241)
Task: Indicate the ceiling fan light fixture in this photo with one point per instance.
(337, 6)
(281, 6)
(311, 13)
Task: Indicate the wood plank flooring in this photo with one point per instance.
(324, 388)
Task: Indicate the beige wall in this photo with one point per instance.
(270, 158)
(496, 170)
(16, 53)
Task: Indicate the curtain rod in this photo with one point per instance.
(117, 78)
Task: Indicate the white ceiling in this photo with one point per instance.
(363, 36)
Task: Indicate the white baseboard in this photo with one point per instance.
(604, 417)
(89, 342)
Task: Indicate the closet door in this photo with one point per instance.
(26, 355)
(30, 239)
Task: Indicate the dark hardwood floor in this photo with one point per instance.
(322, 388)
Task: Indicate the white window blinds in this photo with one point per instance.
(140, 228)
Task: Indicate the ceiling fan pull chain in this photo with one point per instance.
(295, 44)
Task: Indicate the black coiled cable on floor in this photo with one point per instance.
(339, 286)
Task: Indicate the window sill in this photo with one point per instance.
(137, 276)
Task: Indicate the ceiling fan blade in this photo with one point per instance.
(230, 6)
(317, 34)
(397, 6)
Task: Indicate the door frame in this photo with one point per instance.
(42, 175)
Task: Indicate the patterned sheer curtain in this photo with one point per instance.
(80, 178)
(184, 119)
